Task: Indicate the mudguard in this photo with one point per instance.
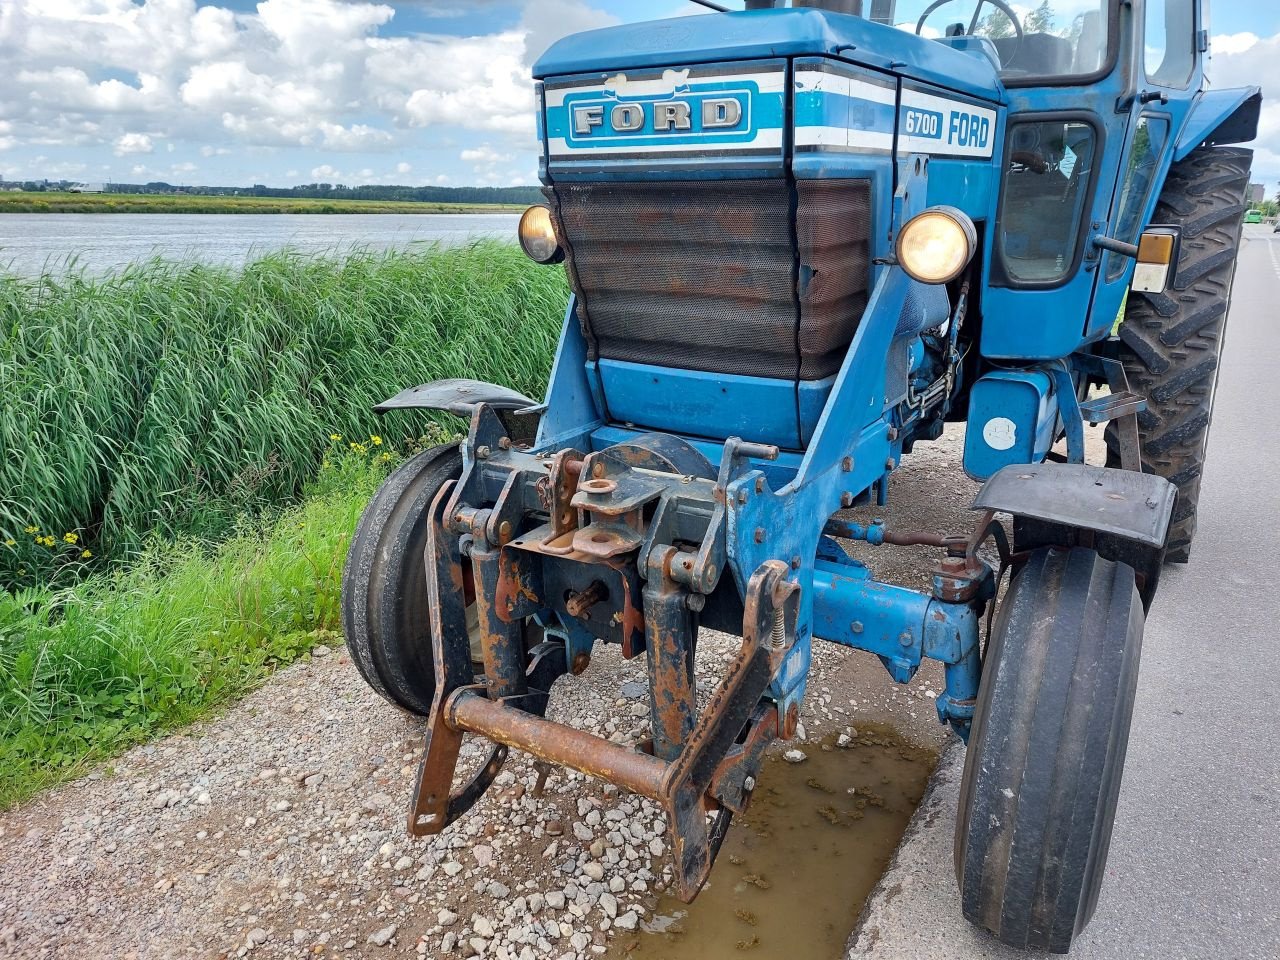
(1125, 503)
(456, 396)
(1220, 116)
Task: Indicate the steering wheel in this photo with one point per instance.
(973, 24)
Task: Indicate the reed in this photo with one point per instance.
(170, 399)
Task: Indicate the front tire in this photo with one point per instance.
(385, 610)
(1043, 769)
(1171, 343)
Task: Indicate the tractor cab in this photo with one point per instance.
(801, 240)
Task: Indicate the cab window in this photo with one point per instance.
(1047, 185)
(1169, 45)
(1044, 40)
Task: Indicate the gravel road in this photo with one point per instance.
(277, 829)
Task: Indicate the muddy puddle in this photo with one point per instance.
(793, 873)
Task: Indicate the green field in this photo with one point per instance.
(51, 202)
(188, 449)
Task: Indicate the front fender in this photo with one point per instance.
(1220, 116)
(456, 396)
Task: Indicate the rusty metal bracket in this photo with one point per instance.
(432, 807)
(768, 630)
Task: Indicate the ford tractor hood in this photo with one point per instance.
(762, 34)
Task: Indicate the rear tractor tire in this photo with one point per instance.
(1171, 343)
(385, 609)
(1042, 773)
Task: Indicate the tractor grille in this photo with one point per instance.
(728, 276)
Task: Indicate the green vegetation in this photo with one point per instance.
(187, 452)
(168, 401)
(50, 202)
(88, 671)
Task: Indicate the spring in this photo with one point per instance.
(779, 637)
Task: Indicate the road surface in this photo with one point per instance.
(1194, 869)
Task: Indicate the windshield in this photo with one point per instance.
(1047, 40)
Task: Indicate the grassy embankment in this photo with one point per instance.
(164, 420)
(53, 202)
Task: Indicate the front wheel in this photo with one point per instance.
(385, 609)
(1042, 773)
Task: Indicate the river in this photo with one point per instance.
(98, 243)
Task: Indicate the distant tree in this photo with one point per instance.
(1040, 20)
(996, 25)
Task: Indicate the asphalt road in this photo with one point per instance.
(1194, 869)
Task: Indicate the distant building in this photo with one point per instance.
(1257, 193)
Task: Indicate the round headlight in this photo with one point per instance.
(937, 244)
(538, 236)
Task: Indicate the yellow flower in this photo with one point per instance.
(86, 554)
(70, 537)
(375, 440)
(32, 530)
(335, 437)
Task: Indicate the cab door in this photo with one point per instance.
(1168, 72)
(1084, 156)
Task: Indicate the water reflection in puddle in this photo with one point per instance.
(793, 873)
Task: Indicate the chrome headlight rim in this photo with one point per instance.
(965, 235)
(537, 235)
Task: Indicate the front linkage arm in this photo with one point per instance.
(553, 537)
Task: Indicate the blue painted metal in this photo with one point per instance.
(573, 405)
(713, 405)
(769, 33)
(1209, 109)
(1012, 419)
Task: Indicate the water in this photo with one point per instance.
(793, 873)
(101, 242)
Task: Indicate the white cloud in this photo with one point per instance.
(321, 76)
(1228, 43)
(484, 154)
(1246, 64)
(133, 143)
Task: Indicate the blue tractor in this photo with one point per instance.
(800, 241)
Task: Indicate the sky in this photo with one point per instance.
(281, 92)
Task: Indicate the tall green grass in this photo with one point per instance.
(89, 670)
(172, 398)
